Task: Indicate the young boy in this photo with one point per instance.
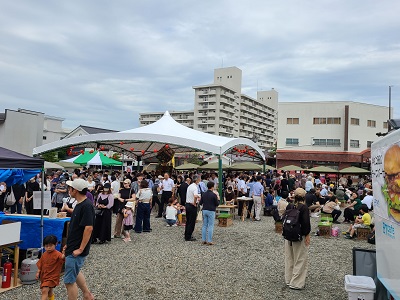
(360, 222)
(49, 267)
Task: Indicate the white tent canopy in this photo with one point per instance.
(147, 140)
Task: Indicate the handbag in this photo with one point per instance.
(200, 216)
(98, 211)
(10, 199)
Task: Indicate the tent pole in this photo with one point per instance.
(41, 210)
(221, 198)
(264, 167)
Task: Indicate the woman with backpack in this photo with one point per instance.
(296, 231)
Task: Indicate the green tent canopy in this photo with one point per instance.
(354, 170)
(291, 168)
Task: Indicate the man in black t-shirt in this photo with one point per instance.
(78, 240)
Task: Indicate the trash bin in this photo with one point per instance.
(359, 287)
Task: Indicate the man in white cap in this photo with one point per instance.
(78, 240)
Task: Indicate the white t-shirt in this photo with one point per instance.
(168, 185)
(192, 191)
(115, 185)
(170, 213)
(368, 200)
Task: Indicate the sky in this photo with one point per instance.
(101, 63)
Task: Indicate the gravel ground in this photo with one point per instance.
(247, 262)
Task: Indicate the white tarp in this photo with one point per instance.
(386, 227)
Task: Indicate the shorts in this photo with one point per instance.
(128, 227)
(73, 266)
(360, 226)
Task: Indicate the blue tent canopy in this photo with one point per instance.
(14, 176)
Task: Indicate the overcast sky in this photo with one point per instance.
(100, 63)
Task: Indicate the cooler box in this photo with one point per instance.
(359, 287)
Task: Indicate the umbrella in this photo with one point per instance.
(100, 159)
(187, 167)
(291, 168)
(213, 166)
(354, 170)
(51, 165)
(322, 169)
(249, 166)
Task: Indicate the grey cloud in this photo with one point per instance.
(104, 63)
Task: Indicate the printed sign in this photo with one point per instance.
(385, 172)
(37, 198)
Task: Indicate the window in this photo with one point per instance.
(292, 121)
(326, 121)
(385, 125)
(44, 137)
(333, 121)
(371, 123)
(292, 141)
(354, 144)
(355, 121)
(369, 143)
(326, 142)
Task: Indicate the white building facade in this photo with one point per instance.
(335, 133)
(22, 130)
(221, 109)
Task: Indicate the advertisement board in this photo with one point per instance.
(385, 172)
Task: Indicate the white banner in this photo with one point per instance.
(37, 196)
(385, 171)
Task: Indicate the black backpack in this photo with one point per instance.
(291, 224)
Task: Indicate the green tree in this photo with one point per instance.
(50, 156)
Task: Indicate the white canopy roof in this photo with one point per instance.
(152, 137)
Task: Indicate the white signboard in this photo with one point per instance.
(10, 233)
(385, 171)
(37, 198)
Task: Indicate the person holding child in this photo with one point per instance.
(49, 267)
(144, 197)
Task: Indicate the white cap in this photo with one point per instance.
(78, 184)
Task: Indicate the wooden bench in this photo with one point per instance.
(362, 233)
(228, 209)
(225, 221)
(325, 229)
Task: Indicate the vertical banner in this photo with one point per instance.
(385, 172)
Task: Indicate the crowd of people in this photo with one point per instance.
(132, 196)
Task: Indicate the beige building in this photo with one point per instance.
(22, 130)
(221, 109)
(337, 134)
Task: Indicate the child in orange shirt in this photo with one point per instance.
(49, 267)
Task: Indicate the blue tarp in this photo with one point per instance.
(31, 231)
(13, 176)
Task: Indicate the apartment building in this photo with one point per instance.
(220, 108)
(337, 134)
(184, 117)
